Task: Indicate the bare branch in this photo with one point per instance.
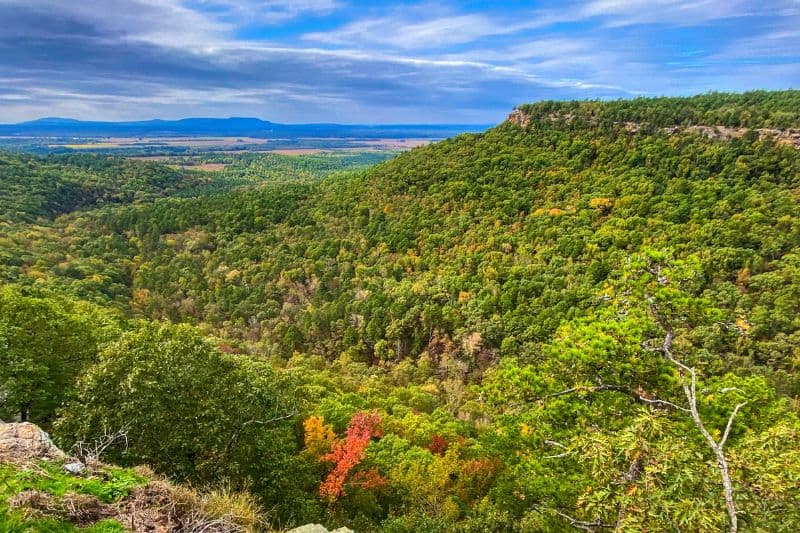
(730, 423)
(581, 524)
(690, 391)
(615, 388)
(558, 455)
(90, 452)
(238, 431)
(663, 402)
(271, 420)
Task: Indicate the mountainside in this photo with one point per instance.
(225, 127)
(586, 316)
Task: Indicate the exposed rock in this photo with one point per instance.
(788, 137)
(24, 441)
(519, 118)
(75, 468)
(317, 528)
(157, 507)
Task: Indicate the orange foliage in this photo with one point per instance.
(347, 453)
(438, 444)
(369, 479)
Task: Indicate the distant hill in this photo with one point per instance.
(227, 127)
(553, 324)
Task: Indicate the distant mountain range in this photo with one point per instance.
(227, 127)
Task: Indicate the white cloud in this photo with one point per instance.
(676, 12)
(267, 11)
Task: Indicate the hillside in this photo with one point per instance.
(492, 332)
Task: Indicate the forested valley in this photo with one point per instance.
(584, 318)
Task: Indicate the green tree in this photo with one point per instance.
(189, 410)
(45, 344)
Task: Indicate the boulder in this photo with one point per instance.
(25, 441)
(75, 468)
(317, 528)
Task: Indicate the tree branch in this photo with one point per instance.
(581, 524)
(615, 388)
(559, 445)
(690, 391)
(730, 423)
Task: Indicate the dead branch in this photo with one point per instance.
(558, 445)
(90, 452)
(581, 524)
(690, 391)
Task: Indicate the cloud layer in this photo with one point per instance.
(334, 60)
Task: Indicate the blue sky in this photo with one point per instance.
(378, 62)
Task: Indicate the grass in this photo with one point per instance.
(108, 486)
(241, 508)
(12, 521)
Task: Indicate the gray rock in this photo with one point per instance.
(75, 468)
(25, 441)
(317, 528)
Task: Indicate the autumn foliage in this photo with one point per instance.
(438, 444)
(348, 452)
(318, 436)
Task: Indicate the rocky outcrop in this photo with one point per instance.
(24, 441)
(317, 528)
(788, 137)
(519, 118)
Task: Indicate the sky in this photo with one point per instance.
(350, 61)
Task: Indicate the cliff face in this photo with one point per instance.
(789, 137)
(519, 118)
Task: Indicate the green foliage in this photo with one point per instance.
(754, 109)
(500, 300)
(113, 485)
(189, 410)
(46, 342)
(32, 187)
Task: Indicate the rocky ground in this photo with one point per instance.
(42, 488)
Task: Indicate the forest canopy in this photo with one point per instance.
(566, 324)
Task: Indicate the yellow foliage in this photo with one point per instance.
(318, 437)
(601, 203)
(742, 324)
(140, 297)
(429, 481)
(419, 288)
(463, 296)
(743, 277)
(36, 274)
(430, 388)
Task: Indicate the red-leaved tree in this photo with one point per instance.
(348, 452)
